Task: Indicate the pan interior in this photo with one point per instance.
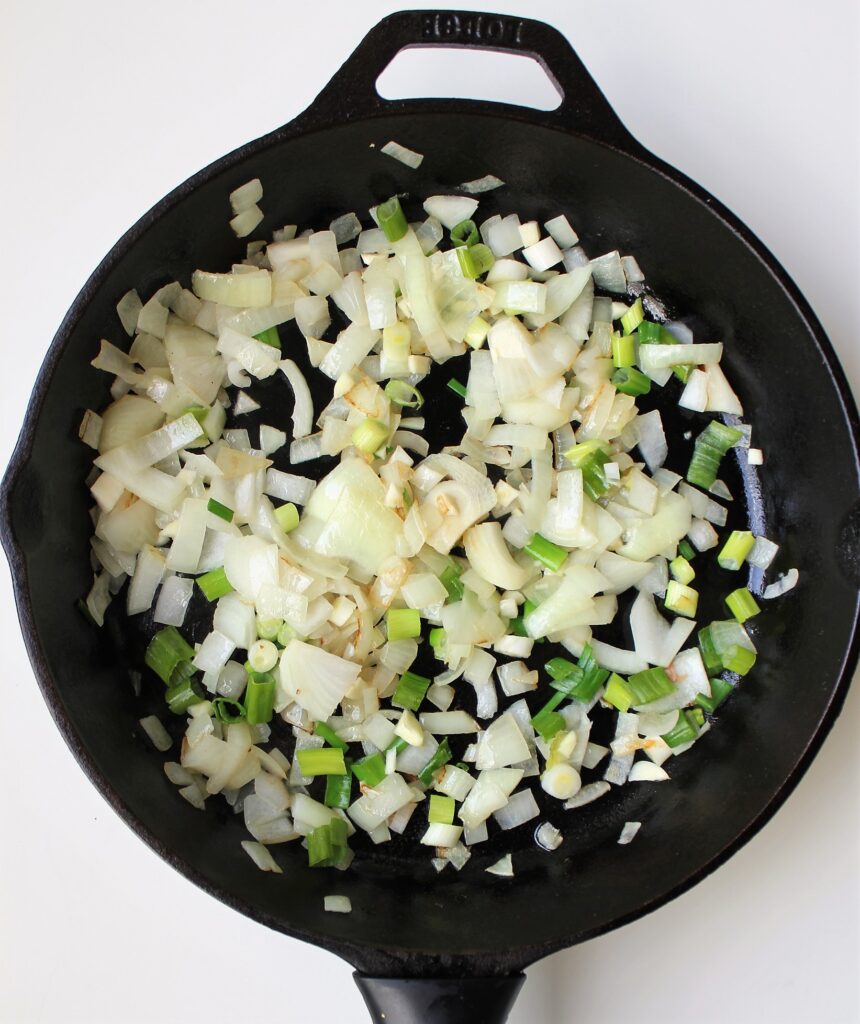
(704, 272)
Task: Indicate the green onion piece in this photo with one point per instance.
(165, 651)
(285, 634)
(623, 350)
(710, 447)
(738, 659)
(545, 552)
(651, 334)
(710, 655)
(476, 332)
(548, 722)
(403, 623)
(229, 711)
(468, 267)
(441, 756)
(199, 412)
(338, 790)
(404, 394)
(392, 219)
(583, 680)
(398, 743)
(684, 731)
(441, 810)
(321, 761)
(681, 600)
(720, 689)
(736, 549)
(260, 697)
(591, 456)
(410, 691)
(437, 638)
(561, 668)
(214, 584)
(370, 770)
(482, 258)
(457, 387)
(270, 337)
(465, 233)
(650, 685)
(370, 435)
(450, 580)
(217, 509)
(696, 716)
(330, 736)
(517, 627)
(287, 516)
(682, 372)
(686, 550)
(320, 849)
(681, 570)
(180, 697)
(631, 320)
(630, 381)
(618, 693)
(742, 604)
(184, 670)
(268, 629)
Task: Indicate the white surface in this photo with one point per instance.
(105, 107)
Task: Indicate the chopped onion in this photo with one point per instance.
(404, 155)
(646, 771)
(520, 808)
(503, 867)
(786, 582)
(485, 184)
(173, 601)
(156, 732)
(628, 832)
(337, 904)
(548, 837)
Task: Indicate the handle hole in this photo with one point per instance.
(442, 72)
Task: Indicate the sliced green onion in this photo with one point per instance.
(403, 623)
(184, 670)
(327, 844)
(738, 659)
(482, 258)
(548, 722)
(286, 633)
(623, 350)
(214, 584)
(441, 810)
(260, 697)
(545, 552)
(651, 334)
(650, 685)
(370, 435)
(396, 342)
(681, 570)
(742, 604)
(370, 770)
(591, 456)
(450, 580)
(710, 655)
(217, 509)
(410, 691)
(404, 394)
(682, 372)
(457, 387)
(165, 651)
(330, 736)
(630, 381)
(338, 790)
(287, 516)
(228, 711)
(465, 233)
(398, 743)
(270, 337)
(441, 756)
(631, 320)
(468, 267)
(683, 732)
(720, 689)
(686, 550)
(437, 638)
(268, 629)
(476, 332)
(392, 219)
(618, 693)
(561, 668)
(321, 761)
(681, 600)
(736, 549)
(710, 447)
(180, 697)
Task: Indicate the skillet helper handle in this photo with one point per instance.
(352, 93)
(439, 1000)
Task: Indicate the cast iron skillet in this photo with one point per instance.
(452, 948)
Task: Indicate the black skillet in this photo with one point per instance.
(452, 948)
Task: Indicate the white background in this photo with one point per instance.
(104, 107)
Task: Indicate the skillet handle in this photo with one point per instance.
(439, 1000)
(351, 94)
